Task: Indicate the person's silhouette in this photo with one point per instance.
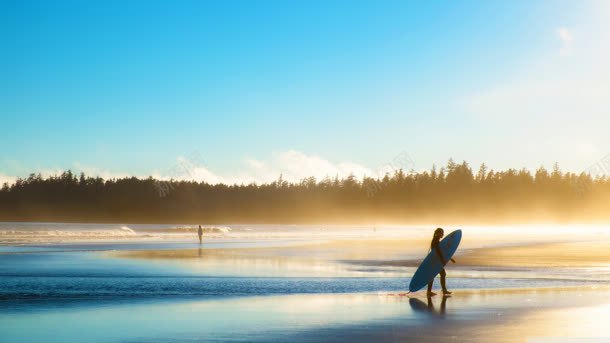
(200, 234)
(438, 234)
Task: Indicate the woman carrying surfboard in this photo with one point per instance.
(438, 234)
(435, 261)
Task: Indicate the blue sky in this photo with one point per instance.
(238, 91)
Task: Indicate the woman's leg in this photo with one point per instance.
(443, 281)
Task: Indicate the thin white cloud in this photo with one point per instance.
(295, 165)
(557, 108)
(94, 171)
(566, 38)
(7, 179)
(189, 169)
(292, 165)
(10, 179)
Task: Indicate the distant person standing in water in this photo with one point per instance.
(438, 234)
(200, 234)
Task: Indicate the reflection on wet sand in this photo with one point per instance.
(428, 308)
(242, 262)
(502, 317)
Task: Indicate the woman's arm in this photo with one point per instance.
(440, 255)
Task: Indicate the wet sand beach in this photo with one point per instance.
(306, 285)
(576, 254)
(526, 315)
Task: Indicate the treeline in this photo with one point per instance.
(452, 194)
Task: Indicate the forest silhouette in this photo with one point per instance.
(453, 194)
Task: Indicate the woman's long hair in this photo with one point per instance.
(438, 232)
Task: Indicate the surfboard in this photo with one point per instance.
(431, 265)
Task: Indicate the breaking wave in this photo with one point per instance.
(58, 236)
(53, 233)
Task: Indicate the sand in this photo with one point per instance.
(577, 254)
(571, 314)
(339, 250)
(404, 253)
(527, 315)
